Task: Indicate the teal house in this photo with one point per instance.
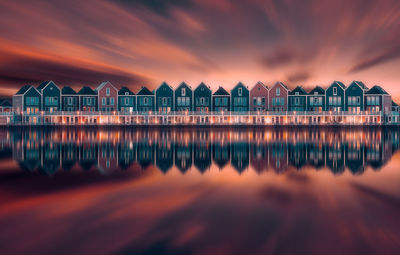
(334, 97)
(202, 98)
(164, 98)
(221, 100)
(145, 100)
(51, 96)
(126, 100)
(316, 100)
(27, 100)
(354, 97)
(88, 100)
(69, 100)
(297, 99)
(240, 98)
(183, 98)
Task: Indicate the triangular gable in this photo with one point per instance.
(164, 84)
(260, 84)
(104, 83)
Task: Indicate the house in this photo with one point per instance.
(107, 97)
(69, 100)
(88, 100)
(240, 98)
(259, 98)
(278, 97)
(354, 97)
(183, 98)
(51, 96)
(377, 99)
(126, 100)
(202, 98)
(27, 100)
(164, 98)
(221, 100)
(316, 100)
(334, 97)
(297, 100)
(145, 100)
(5, 105)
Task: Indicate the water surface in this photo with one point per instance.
(199, 191)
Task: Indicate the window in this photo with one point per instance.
(145, 101)
(103, 101)
(240, 92)
(179, 103)
(296, 101)
(70, 100)
(112, 101)
(126, 101)
(108, 91)
(278, 91)
(187, 99)
(183, 91)
(164, 101)
(334, 91)
(358, 100)
(126, 93)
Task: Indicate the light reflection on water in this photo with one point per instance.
(203, 191)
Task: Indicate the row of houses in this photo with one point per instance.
(355, 98)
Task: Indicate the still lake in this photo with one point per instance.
(199, 190)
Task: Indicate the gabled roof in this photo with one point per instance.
(376, 90)
(318, 90)
(87, 91)
(240, 84)
(202, 84)
(103, 84)
(281, 83)
(183, 84)
(260, 84)
(145, 92)
(5, 103)
(360, 84)
(125, 90)
(339, 83)
(394, 103)
(221, 92)
(42, 85)
(299, 90)
(66, 90)
(23, 90)
(163, 85)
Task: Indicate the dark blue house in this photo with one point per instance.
(126, 100)
(354, 97)
(334, 97)
(202, 98)
(297, 99)
(164, 98)
(240, 98)
(88, 100)
(69, 100)
(221, 100)
(183, 98)
(51, 96)
(145, 100)
(316, 100)
(27, 100)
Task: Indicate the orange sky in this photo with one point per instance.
(135, 43)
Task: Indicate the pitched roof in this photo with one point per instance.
(103, 84)
(281, 83)
(240, 84)
(202, 84)
(125, 90)
(163, 85)
(42, 85)
(87, 91)
(5, 103)
(23, 90)
(394, 103)
(66, 90)
(221, 92)
(261, 84)
(318, 90)
(376, 90)
(340, 84)
(183, 84)
(360, 84)
(299, 90)
(145, 92)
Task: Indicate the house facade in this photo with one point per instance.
(202, 99)
(5, 106)
(377, 99)
(126, 100)
(27, 100)
(297, 100)
(107, 97)
(51, 96)
(259, 98)
(278, 97)
(183, 98)
(69, 100)
(164, 98)
(354, 97)
(221, 100)
(335, 97)
(316, 100)
(88, 100)
(240, 97)
(145, 100)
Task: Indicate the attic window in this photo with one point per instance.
(107, 91)
(183, 92)
(334, 91)
(296, 93)
(240, 91)
(315, 93)
(126, 93)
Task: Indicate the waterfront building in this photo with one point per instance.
(316, 100)
(183, 98)
(354, 97)
(334, 97)
(240, 98)
(107, 97)
(377, 99)
(50, 96)
(202, 99)
(278, 97)
(88, 100)
(145, 100)
(5, 106)
(297, 100)
(126, 100)
(69, 100)
(164, 98)
(259, 98)
(221, 100)
(27, 100)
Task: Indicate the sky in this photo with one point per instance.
(219, 42)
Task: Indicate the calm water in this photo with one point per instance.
(199, 191)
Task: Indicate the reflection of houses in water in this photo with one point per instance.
(48, 150)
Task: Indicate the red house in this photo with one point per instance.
(278, 97)
(108, 97)
(259, 98)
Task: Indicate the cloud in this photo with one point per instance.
(372, 61)
(278, 58)
(299, 76)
